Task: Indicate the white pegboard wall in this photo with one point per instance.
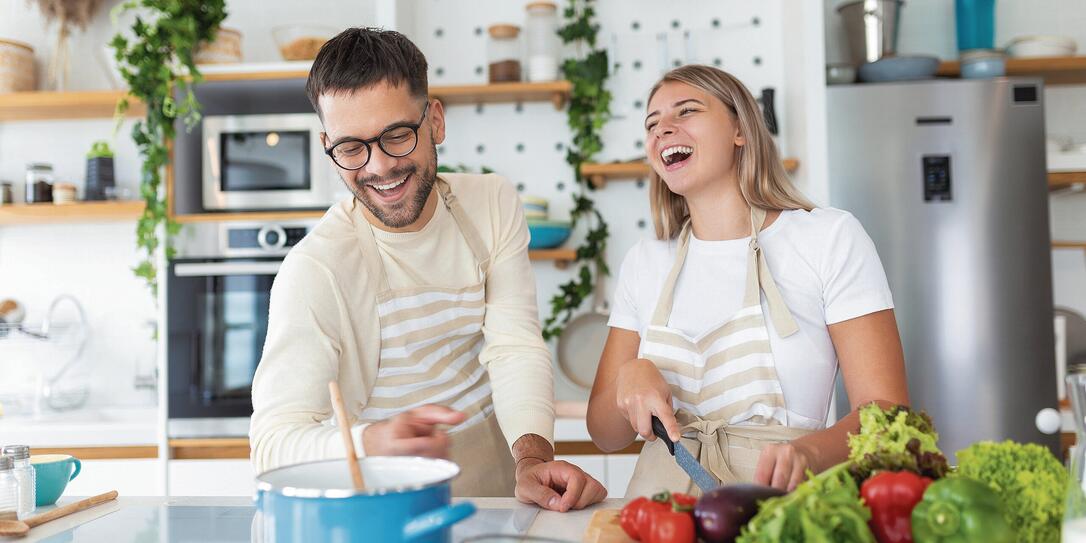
(644, 39)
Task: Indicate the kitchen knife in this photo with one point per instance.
(686, 461)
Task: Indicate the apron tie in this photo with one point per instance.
(714, 439)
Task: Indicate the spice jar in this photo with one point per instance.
(544, 45)
(64, 193)
(39, 182)
(503, 53)
(24, 475)
(6, 194)
(9, 490)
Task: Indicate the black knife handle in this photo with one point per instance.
(661, 432)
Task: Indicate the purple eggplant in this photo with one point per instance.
(720, 514)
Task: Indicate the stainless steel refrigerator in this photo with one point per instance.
(948, 177)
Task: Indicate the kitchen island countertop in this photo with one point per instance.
(230, 519)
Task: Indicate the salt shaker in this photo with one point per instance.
(9, 490)
(24, 474)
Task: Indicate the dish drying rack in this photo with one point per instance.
(53, 349)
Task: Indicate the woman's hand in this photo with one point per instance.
(640, 393)
(784, 465)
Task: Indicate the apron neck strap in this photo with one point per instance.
(667, 294)
(758, 279)
(471, 235)
(371, 254)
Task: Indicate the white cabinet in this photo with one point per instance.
(127, 477)
(613, 470)
(592, 464)
(211, 478)
(620, 468)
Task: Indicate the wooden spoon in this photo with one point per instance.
(19, 528)
(345, 430)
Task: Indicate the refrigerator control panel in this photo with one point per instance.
(936, 170)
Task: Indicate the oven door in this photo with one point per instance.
(265, 162)
(217, 321)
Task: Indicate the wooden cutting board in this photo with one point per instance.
(604, 528)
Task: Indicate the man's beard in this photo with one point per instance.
(405, 212)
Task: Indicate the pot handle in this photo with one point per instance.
(438, 519)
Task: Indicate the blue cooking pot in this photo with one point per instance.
(406, 499)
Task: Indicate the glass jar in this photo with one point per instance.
(503, 53)
(544, 45)
(39, 182)
(9, 490)
(25, 475)
(6, 194)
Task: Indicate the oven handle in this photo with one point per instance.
(208, 269)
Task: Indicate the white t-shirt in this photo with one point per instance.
(826, 269)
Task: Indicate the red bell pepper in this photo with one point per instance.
(891, 497)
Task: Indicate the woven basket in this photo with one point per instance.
(16, 66)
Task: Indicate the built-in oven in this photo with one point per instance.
(265, 161)
(217, 296)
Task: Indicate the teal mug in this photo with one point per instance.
(52, 473)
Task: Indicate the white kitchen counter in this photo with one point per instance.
(230, 520)
(83, 428)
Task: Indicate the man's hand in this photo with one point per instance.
(412, 433)
(556, 485)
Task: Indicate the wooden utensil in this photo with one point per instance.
(19, 528)
(604, 528)
(345, 430)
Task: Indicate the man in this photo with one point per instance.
(416, 296)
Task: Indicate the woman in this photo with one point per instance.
(730, 326)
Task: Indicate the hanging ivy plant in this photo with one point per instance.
(589, 110)
(155, 61)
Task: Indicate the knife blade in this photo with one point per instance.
(686, 461)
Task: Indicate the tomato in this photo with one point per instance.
(671, 527)
(684, 500)
(648, 511)
(628, 517)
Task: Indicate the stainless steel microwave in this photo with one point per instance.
(266, 162)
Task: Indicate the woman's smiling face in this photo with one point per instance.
(691, 137)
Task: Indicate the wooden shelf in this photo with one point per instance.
(49, 105)
(599, 174)
(49, 213)
(555, 92)
(1065, 180)
(561, 257)
(1054, 70)
(1069, 245)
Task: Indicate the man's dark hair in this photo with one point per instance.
(361, 57)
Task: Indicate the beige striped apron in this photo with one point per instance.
(430, 342)
(724, 385)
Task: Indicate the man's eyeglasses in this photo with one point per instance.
(396, 141)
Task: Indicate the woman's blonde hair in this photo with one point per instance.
(762, 179)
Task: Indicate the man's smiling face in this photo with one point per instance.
(395, 190)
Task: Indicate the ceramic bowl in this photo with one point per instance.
(1041, 46)
(547, 234)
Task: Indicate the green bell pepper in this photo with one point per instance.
(960, 510)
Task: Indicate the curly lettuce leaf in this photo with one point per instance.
(1029, 479)
(895, 439)
(826, 508)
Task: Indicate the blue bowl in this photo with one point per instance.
(547, 234)
(904, 68)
